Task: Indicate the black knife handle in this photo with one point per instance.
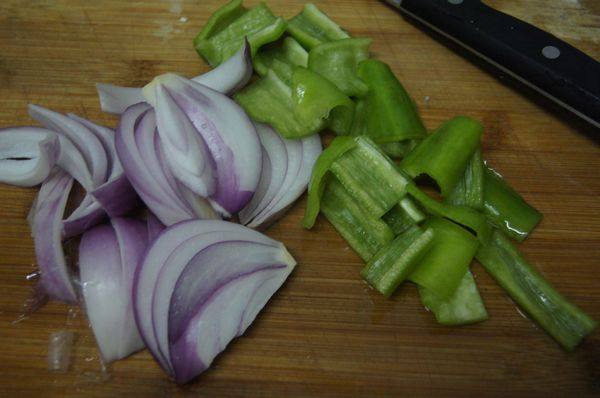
(533, 56)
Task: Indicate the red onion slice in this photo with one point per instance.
(274, 169)
(27, 155)
(300, 156)
(227, 78)
(108, 256)
(116, 99)
(200, 274)
(106, 137)
(175, 264)
(231, 75)
(185, 151)
(153, 188)
(47, 226)
(191, 114)
(84, 140)
(116, 196)
(153, 226)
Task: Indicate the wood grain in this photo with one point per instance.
(325, 333)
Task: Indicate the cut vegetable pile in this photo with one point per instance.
(158, 267)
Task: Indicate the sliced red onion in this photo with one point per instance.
(27, 154)
(201, 284)
(231, 75)
(116, 196)
(116, 99)
(154, 226)
(47, 225)
(191, 114)
(135, 145)
(291, 163)
(227, 78)
(88, 214)
(106, 137)
(108, 256)
(185, 151)
(85, 141)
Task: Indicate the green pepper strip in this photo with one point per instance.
(444, 265)
(387, 113)
(294, 112)
(397, 150)
(464, 307)
(338, 62)
(403, 216)
(370, 177)
(506, 209)
(315, 97)
(468, 191)
(565, 322)
(316, 186)
(462, 215)
(226, 29)
(444, 155)
(390, 266)
(364, 233)
(312, 27)
(281, 57)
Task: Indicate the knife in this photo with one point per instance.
(536, 58)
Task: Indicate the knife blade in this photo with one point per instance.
(536, 58)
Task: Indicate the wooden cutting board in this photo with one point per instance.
(325, 333)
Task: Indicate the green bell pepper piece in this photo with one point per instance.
(462, 215)
(312, 27)
(442, 268)
(387, 114)
(269, 100)
(364, 233)
(297, 111)
(370, 177)
(403, 215)
(226, 29)
(445, 154)
(317, 183)
(315, 97)
(506, 209)
(468, 191)
(282, 58)
(398, 150)
(392, 264)
(463, 307)
(564, 321)
(338, 62)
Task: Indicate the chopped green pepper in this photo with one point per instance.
(294, 112)
(468, 191)
(387, 113)
(370, 177)
(463, 307)
(565, 322)
(506, 209)
(338, 61)
(403, 216)
(398, 150)
(317, 183)
(312, 27)
(462, 215)
(315, 97)
(444, 155)
(364, 233)
(226, 29)
(282, 58)
(442, 268)
(390, 266)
